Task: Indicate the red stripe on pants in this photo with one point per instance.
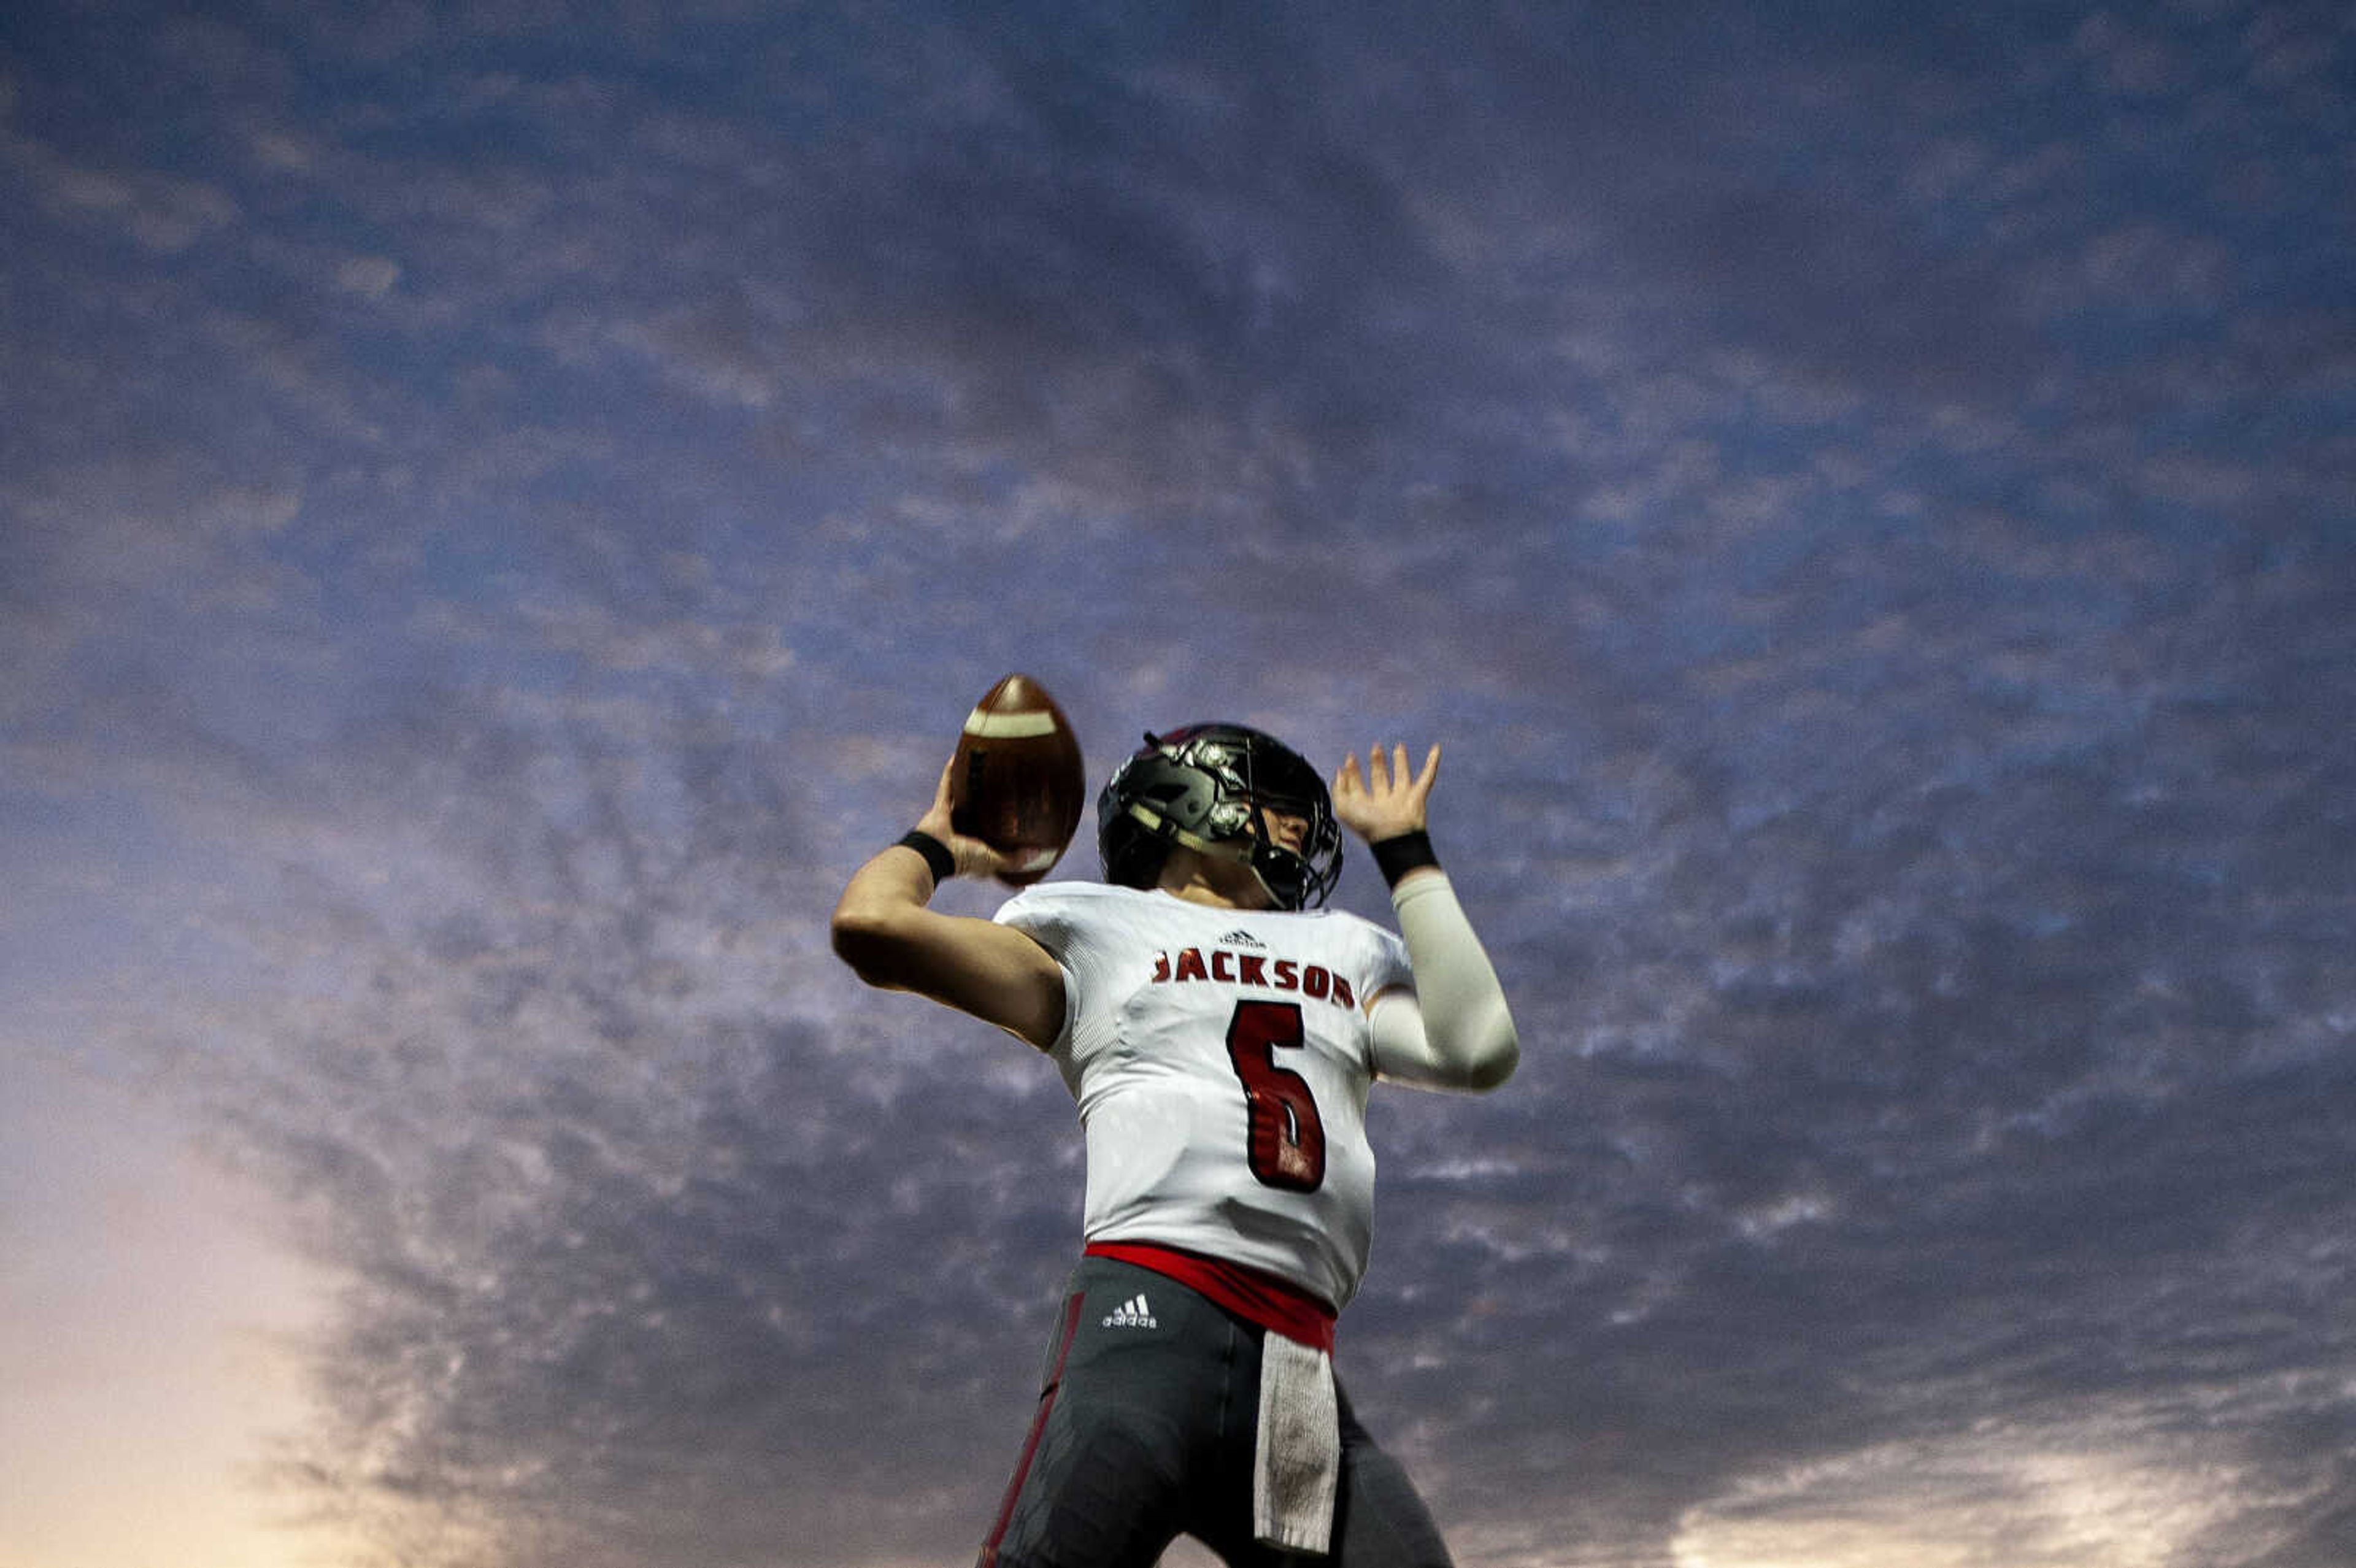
(989, 1558)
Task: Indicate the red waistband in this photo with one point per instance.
(1254, 1296)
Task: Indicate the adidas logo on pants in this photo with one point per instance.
(1132, 1314)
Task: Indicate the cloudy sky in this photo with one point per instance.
(503, 506)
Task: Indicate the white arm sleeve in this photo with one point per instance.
(1453, 1031)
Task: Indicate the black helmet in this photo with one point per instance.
(1205, 786)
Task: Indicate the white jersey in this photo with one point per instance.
(1221, 1060)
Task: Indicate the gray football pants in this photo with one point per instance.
(1146, 1431)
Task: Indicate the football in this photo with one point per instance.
(1017, 781)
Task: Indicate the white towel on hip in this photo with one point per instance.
(1300, 1463)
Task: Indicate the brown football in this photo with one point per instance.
(1018, 782)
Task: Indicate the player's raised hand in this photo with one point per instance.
(974, 857)
(1384, 801)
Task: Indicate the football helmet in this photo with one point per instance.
(1206, 786)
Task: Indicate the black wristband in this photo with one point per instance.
(1396, 856)
(935, 853)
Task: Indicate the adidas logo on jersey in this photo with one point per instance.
(1132, 1314)
(1241, 939)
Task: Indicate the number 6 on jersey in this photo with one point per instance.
(1287, 1140)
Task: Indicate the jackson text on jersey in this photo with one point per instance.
(1258, 969)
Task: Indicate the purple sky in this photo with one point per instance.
(502, 506)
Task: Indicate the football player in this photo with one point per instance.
(1220, 1032)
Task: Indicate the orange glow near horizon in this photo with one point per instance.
(148, 1334)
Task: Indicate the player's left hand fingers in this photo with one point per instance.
(1394, 775)
(1386, 799)
(1347, 782)
(1425, 776)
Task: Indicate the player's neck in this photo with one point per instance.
(1196, 893)
(1215, 884)
(1198, 890)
